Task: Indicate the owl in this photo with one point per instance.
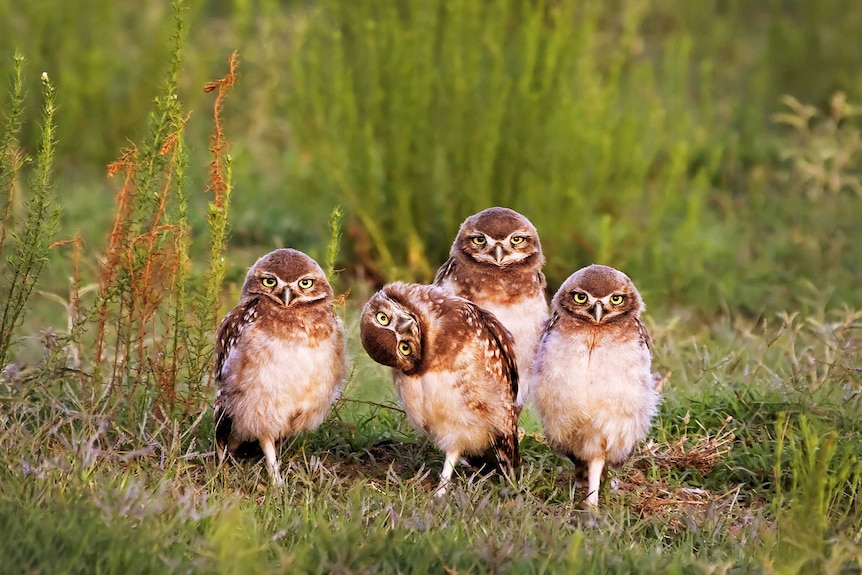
(593, 388)
(496, 262)
(453, 366)
(280, 357)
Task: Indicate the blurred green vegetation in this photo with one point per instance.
(634, 133)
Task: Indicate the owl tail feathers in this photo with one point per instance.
(501, 457)
(225, 443)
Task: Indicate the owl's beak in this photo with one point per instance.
(403, 325)
(287, 296)
(498, 254)
(597, 311)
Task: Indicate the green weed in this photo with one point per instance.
(33, 236)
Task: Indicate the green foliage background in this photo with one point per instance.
(633, 133)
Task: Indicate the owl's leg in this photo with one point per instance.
(225, 442)
(595, 477)
(452, 458)
(229, 449)
(268, 447)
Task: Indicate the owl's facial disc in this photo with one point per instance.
(276, 289)
(500, 252)
(599, 310)
(303, 290)
(391, 334)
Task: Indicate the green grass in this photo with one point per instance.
(753, 465)
(710, 149)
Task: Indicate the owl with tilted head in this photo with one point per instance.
(280, 358)
(496, 262)
(453, 366)
(593, 388)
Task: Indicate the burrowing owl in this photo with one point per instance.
(280, 357)
(454, 369)
(593, 387)
(496, 262)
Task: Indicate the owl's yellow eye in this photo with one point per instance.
(404, 348)
(382, 318)
(268, 282)
(306, 283)
(580, 297)
(517, 240)
(617, 299)
(479, 240)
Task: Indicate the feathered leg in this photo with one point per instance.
(268, 446)
(596, 466)
(452, 458)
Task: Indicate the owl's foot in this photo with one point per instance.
(268, 447)
(596, 467)
(449, 463)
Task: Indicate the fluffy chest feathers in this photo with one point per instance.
(594, 391)
(484, 284)
(595, 361)
(525, 319)
(454, 415)
(280, 379)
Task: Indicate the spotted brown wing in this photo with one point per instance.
(503, 452)
(229, 333)
(445, 271)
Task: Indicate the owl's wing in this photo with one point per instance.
(503, 451)
(643, 335)
(549, 324)
(229, 332)
(445, 272)
(228, 335)
(543, 283)
(645, 340)
(503, 338)
(502, 455)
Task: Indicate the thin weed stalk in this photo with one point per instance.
(145, 249)
(32, 245)
(11, 157)
(335, 218)
(221, 187)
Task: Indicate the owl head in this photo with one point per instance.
(597, 295)
(499, 237)
(391, 331)
(288, 278)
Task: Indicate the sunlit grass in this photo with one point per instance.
(762, 480)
